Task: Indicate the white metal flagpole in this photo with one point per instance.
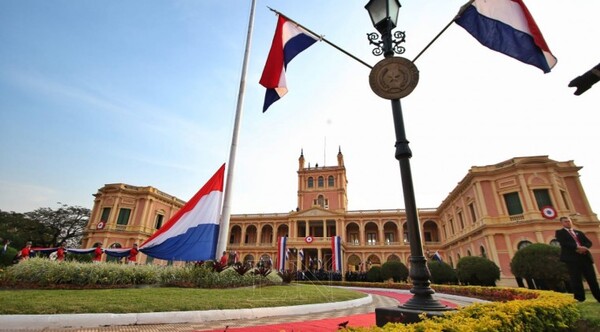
(226, 214)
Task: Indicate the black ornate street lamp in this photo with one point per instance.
(394, 78)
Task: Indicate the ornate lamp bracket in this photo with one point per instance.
(399, 38)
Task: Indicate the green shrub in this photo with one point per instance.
(6, 259)
(541, 262)
(442, 273)
(374, 274)
(394, 270)
(44, 273)
(480, 271)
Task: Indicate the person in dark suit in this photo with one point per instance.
(575, 253)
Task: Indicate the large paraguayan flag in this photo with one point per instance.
(192, 234)
(507, 26)
(281, 253)
(289, 41)
(336, 249)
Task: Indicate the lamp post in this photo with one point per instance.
(394, 78)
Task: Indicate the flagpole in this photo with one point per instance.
(321, 38)
(462, 9)
(226, 214)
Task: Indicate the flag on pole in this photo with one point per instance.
(301, 254)
(289, 41)
(336, 250)
(281, 253)
(191, 234)
(437, 256)
(506, 26)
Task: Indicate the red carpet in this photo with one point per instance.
(329, 324)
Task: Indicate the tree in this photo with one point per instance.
(64, 224)
(479, 271)
(394, 270)
(374, 274)
(541, 262)
(19, 229)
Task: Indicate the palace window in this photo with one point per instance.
(428, 237)
(564, 198)
(371, 239)
(523, 244)
(159, 221)
(354, 238)
(330, 181)
(311, 182)
(472, 211)
(320, 182)
(542, 197)
(105, 214)
(123, 218)
(462, 222)
(389, 238)
(513, 203)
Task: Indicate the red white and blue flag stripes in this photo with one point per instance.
(113, 252)
(289, 41)
(192, 234)
(506, 26)
(281, 253)
(336, 250)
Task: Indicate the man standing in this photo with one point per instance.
(574, 252)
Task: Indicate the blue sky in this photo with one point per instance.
(145, 92)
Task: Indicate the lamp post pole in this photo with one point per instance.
(394, 78)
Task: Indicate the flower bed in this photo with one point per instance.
(513, 309)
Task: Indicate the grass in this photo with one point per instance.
(165, 299)
(590, 312)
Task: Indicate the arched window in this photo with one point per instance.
(321, 201)
(311, 182)
(320, 182)
(483, 253)
(523, 244)
(330, 181)
(468, 252)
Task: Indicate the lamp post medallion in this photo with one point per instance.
(394, 78)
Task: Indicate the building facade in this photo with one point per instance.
(493, 211)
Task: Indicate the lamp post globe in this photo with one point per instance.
(384, 14)
(394, 78)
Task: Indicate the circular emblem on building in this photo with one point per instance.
(100, 225)
(394, 78)
(548, 212)
(308, 239)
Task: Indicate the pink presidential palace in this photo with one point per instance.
(493, 212)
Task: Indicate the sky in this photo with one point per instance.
(145, 93)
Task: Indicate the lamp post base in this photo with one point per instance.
(405, 315)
